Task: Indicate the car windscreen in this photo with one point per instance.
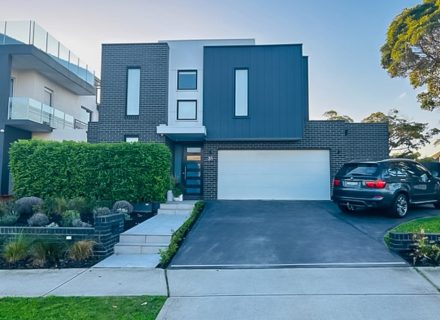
(358, 169)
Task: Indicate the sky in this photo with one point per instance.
(341, 37)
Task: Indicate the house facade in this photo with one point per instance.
(234, 114)
(46, 91)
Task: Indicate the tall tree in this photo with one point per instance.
(412, 49)
(405, 137)
(333, 115)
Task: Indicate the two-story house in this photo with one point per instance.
(234, 114)
(46, 91)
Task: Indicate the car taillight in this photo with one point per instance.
(336, 182)
(377, 184)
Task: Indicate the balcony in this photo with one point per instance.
(30, 33)
(31, 115)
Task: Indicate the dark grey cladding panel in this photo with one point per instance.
(277, 92)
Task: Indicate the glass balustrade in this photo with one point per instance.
(30, 33)
(22, 108)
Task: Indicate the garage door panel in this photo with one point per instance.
(277, 174)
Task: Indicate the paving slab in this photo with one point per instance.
(297, 281)
(115, 282)
(34, 283)
(433, 274)
(161, 224)
(311, 307)
(149, 261)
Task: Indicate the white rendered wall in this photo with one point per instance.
(31, 84)
(188, 55)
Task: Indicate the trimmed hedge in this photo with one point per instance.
(178, 236)
(110, 171)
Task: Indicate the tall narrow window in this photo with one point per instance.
(241, 92)
(133, 91)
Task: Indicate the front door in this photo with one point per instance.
(192, 172)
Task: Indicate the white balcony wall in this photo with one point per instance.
(31, 84)
(62, 134)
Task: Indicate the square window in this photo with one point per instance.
(186, 110)
(187, 80)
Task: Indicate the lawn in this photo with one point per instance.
(429, 225)
(78, 308)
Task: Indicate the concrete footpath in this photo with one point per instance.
(294, 293)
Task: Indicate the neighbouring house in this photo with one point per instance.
(46, 91)
(234, 114)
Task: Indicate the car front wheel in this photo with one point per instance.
(400, 206)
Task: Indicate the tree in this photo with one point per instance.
(333, 115)
(412, 49)
(405, 137)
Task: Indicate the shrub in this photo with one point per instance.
(77, 223)
(67, 217)
(178, 236)
(9, 219)
(6, 207)
(38, 220)
(123, 206)
(101, 211)
(81, 250)
(131, 171)
(424, 251)
(25, 206)
(84, 206)
(53, 207)
(16, 250)
(47, 252)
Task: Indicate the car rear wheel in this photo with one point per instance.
(345, 208)
(400, 206)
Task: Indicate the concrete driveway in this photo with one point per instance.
(243, 234)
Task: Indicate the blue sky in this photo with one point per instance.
(341, 37)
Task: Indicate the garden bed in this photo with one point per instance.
(417, 241)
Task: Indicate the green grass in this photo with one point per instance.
(429, 225)
(78, 308)
(178, 236)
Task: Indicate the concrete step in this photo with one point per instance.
(174, 211)
(177, 205)
(139, 248)
(144, 238)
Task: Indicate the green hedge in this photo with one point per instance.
(110, 171)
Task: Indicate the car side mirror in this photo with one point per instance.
(434, 174)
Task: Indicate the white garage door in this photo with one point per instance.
(274, 174)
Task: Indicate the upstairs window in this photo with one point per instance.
(186, 110)
(187, 80)
(48, 97)
(241, 92)
(133, 91)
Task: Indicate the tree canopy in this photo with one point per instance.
(412, 49)
(333, 115)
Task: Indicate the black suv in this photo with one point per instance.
(391, 184)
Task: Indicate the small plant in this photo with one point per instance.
(81, 250)
(67, 217)
(101, 211)
(47, 252)
(123, 206)
(6, 207)
(53, 207)
(16, 250)
(77, 223)
(9, 219)
(177, 190)
(425, 251)
(83, 206)
(25, 206)
(38, 220)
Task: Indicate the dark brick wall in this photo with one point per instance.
(346, 142)
(105, 232)
(406, 242)
(113, 123)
